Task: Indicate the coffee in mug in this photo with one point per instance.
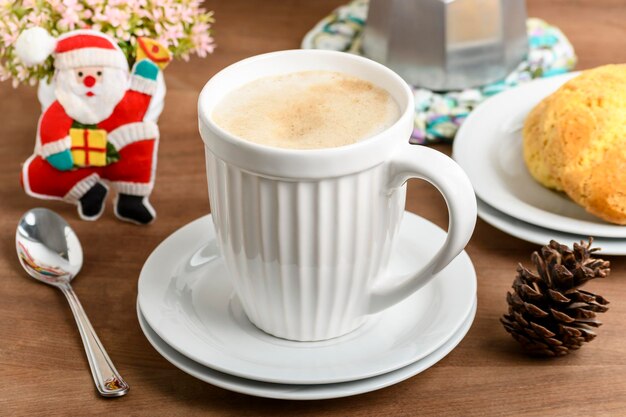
(307, 110)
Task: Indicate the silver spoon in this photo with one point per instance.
(50, 252)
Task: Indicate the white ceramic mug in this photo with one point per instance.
(306, 234)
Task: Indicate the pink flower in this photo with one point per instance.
(116, 17)
(35, 19)
(10, 34)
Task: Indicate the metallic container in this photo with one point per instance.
(447, 44)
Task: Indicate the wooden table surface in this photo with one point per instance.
(43, 370)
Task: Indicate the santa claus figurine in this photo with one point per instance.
(95, 135)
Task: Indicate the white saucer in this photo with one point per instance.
(186, 297)
(302, 392)
(489, 148)
(542, 236)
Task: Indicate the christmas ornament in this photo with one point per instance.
(548, 314)
(94, 136)
(154, 51)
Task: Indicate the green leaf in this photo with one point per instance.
(112, 154)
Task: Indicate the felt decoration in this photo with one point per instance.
(155, 52)
(34, 46)
(89, 147)
(94, 137)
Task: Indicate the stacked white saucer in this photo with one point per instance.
(489, 148)
(190, 315)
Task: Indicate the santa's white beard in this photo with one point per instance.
(107, 93)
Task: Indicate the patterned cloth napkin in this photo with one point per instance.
(439, 115)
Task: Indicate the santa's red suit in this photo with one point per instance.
(126, 130)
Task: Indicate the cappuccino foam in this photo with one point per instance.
(307, 110)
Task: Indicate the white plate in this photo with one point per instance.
(186, 297)
(302, 392)
(541, 236)
(489, 148)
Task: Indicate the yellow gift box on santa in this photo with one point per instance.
(89, 147)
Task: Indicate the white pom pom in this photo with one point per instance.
(34, 46)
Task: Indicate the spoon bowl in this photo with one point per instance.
(50, 252)
(47, 247)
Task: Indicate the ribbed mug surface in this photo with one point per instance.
(303, 254)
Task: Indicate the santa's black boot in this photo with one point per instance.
(134, 208)
(91, 205)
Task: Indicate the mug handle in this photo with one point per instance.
(456, 188)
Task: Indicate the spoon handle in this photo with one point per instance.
(108, 381)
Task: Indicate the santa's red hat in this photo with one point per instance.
(79, 48)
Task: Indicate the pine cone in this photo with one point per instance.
(548, 314)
